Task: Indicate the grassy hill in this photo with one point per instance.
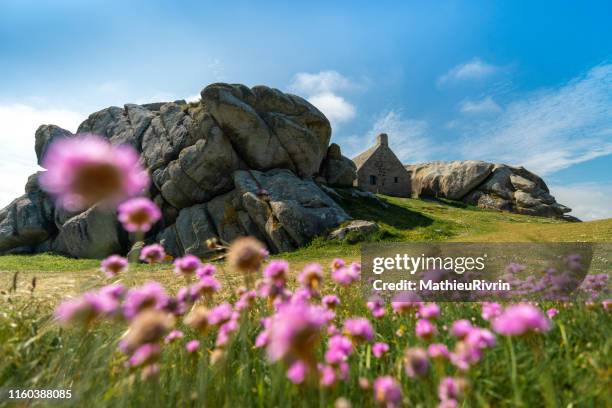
(400, 219)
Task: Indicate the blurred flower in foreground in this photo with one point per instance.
(520, 319)
(246, 254)
(113, 265)
(416, 363)
(152, 253)
(359, 329)
(138, 214)
(378, 349)
(387, 392)
(85, 170)
(187, 265)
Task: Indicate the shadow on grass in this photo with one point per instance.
(383, 211)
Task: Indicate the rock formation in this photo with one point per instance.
(486, 185)
(241, 161)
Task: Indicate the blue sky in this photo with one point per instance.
(518, 82)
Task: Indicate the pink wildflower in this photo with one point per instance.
(387, 392)
(138, 214)
(297, 372)
(152, 253)
(187, 265)
(192, 346)
(113, 265)
(425, 329)
(520, 319)
(359, 329)
(378, 349)
(416, 363)
(85, 170)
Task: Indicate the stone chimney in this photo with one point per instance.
(383, 139)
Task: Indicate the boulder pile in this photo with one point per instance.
(241, 161)
(486, 185)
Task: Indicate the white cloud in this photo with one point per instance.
(549, 130)
(482, 106)
(335, 107)
(588, 201)
(322, 90)
(18, 123)
(407, 138)
(472, 70)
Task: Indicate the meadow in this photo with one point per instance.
(568, 364)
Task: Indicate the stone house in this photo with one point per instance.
(380, 171)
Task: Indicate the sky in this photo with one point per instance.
(521, 82)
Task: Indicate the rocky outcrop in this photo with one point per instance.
(361, 227)
(337, 170)
(486, 185)
(275, 206)
(241, 161)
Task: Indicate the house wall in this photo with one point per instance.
(385, 166)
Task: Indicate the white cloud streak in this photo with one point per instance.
(588, 201)
(322, 90)
(549, 130)
(482, 106)
(474, 69)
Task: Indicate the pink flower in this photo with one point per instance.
(206, 286)
(438, 350)
(145, 355)
(138, 214)
(425, 329)
(149, 295)
(451, 388)
(294, 332)
(152, 253)
(359, 329)
(490, 310)
(205, 271)
(297, 372)
(86, 308)
(416, 363)
(173, 335)
(346, 275)
(338, 350)
(461, 328)
(85, 170)
(276, 271)
(187, 265)
(220, 314)
(330, 301)
(337, 264)
(113, 265)
(387, 392)
(520, 319)
(311, 277)
(378, 349)
(192, 346)
(552, 312)
(404, 302)
(429, 311)
(377, 307)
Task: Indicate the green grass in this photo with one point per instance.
(568, 366)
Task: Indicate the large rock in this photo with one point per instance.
(486, 185)
(336, 169)
(120, 125)
(94, 233)
(288, 210)
(44, 136)
(452, 180)
(361, 227)
(28, 220)
(189, 233)
(270, 129)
